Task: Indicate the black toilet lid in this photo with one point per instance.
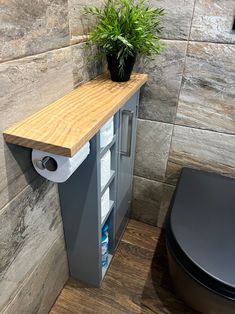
(202, 222)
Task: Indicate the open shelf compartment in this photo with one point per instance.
(112, 176)
(110, 222)
(105, 268)
(104, 150)
(105, 217)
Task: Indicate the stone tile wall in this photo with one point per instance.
(187, 110)
(40, 61)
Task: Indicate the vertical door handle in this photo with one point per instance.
(130, 116)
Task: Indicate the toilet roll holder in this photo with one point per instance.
(48, 163)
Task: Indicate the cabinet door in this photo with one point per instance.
(126, 154)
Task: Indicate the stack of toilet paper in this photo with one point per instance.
(106, 133)
(105, 168)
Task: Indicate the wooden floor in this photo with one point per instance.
(137, 281)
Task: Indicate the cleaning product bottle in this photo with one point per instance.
(104, 245)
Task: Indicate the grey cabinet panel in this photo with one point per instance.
(80, 205)
(80, 198)
(126, 154)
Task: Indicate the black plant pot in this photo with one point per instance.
(113, 66)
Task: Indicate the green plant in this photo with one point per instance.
(126, 27)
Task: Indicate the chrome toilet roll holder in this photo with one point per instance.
(48, 163)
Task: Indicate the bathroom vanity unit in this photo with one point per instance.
(63, 128)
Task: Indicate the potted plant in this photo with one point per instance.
(125, 29)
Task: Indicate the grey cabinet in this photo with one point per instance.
(81, 194)
(126, 154)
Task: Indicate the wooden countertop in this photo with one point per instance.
(67, 124)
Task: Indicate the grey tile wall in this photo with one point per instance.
(38, 64)
(16, 171)
(86, 63)
(30, 27)
(178, 17)
(30, 83)
(43, 285)
(212, 21)
(201, 149)
(146, 200)
(151, 200)
(208, 89)
(30, 223)
(192, 88)
(152, 148)
(159, 96)
(80, 23)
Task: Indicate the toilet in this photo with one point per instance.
(200, 239)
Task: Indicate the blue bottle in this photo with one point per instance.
(104, 245)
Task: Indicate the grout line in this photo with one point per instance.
(211, 42)
(84, 40)
(69, 19)
(163, 122)
(198, 41)
(189, 126)
(24, 173)
(203, 129)
(155, 180)
(184, 64)
(33, 55)
(177, 103)
(173, 39)
(41, 53)
(21, 191)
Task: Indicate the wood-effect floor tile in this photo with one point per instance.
(137, 281)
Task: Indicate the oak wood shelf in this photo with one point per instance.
(67, 124)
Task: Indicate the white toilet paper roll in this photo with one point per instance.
(65, 165)
(105, 168)
(106, 133)
(105, 203)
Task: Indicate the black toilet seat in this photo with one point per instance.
(201, 229)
